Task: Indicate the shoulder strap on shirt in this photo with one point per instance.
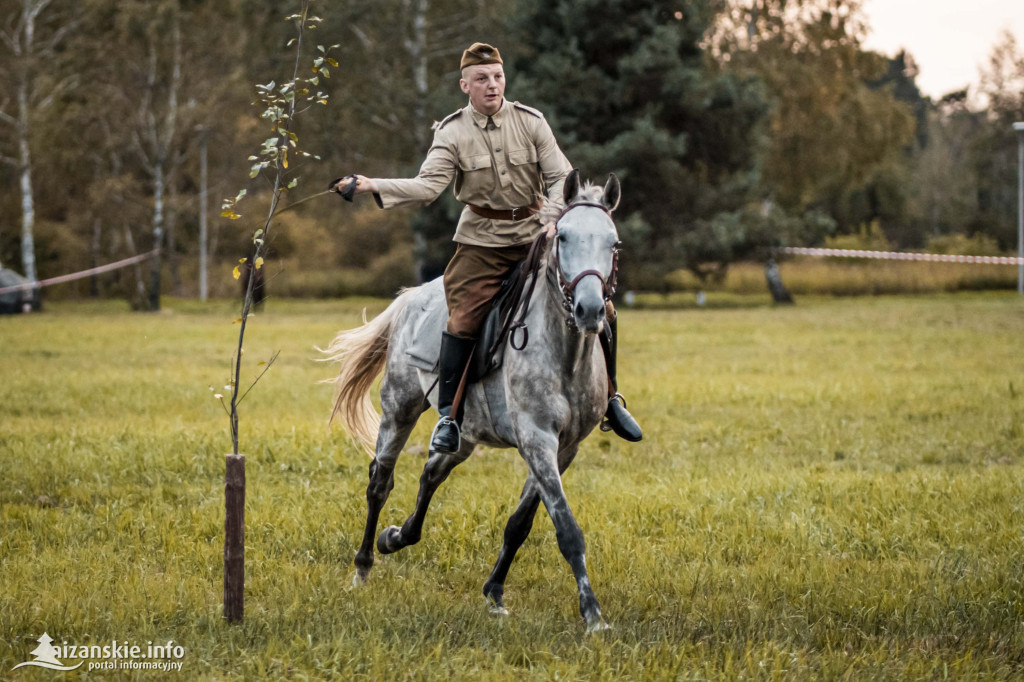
(448, 119)
(529, 110)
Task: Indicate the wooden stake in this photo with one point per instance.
(234, 538)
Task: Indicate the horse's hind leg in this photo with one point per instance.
(382, 480)
(516, 531)
(436, 470)
(396, 424)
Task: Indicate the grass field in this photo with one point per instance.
(833, 490)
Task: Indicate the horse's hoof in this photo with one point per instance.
(362, 574)
(599, 625)
(388, 540)
(493, 593)
(363, 563)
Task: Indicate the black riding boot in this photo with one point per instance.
(455, 354)
(616, 417)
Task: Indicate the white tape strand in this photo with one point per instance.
(79, 275)
(899, 255)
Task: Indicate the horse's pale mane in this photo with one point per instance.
(589, 192)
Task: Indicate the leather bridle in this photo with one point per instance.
(568, 287)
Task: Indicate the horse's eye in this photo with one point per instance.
(562, 238)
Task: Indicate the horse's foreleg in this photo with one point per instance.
(568, 533)
(516, 531)
(436, 470)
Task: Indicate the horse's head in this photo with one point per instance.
(586, 244)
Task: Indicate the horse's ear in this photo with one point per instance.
(572, 186)
(612, 193)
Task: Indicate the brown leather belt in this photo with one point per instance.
(518, 213)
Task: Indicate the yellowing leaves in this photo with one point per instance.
(237, 272)
(258, 262)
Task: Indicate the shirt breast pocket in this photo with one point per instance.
(473, 162)
(520, 157)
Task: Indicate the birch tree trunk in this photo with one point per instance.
(29, 53)
(28, 209)
(161, 135)
(158, 235)
(417, 48)
(22, 45)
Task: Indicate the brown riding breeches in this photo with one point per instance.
(471, 280)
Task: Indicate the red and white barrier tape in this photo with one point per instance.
(79, 275)
(897, 255)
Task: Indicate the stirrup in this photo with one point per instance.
(446, 420)
(619, 420)
(605, 424)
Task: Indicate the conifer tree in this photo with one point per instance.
(628, 89)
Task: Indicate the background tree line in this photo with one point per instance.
(735, 126)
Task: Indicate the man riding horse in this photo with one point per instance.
(504, 158)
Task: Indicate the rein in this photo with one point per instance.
(519, 297)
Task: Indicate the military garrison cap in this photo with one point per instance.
(480, 53)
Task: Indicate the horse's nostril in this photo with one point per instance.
(579, 310)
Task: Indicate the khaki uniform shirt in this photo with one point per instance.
(500, 162)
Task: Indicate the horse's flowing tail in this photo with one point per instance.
(362, 353)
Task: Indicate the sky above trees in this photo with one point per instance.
(949, 39)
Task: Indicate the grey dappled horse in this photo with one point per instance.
(543, 400)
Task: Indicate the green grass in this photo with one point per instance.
(833, 490)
